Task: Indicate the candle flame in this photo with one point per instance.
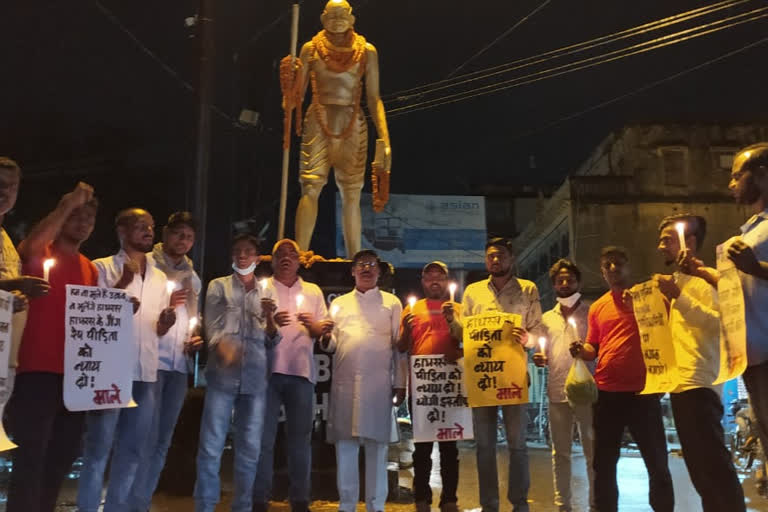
(192, 323)
(171, 286)
(47, 264)
(411, 301)
(542, 343)
(334, 310)
(263, 283)
(452, 288)
(299, 300)
(572, 321)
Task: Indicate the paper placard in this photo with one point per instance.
(661, 375)
(440, 410)
(100, 352)
(495, 365)
(733, 329)
(6, 335)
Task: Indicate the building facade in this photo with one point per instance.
(633, 179)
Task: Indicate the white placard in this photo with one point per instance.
(439, 400)
(6, 333)
(99, 352)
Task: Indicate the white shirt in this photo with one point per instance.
(366, 365)
(295, 354)
(755, 234)
(694, 320)
(560, 335)
(154, 297)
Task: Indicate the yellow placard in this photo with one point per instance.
(733, 330)
(661, 375)
(495, 366)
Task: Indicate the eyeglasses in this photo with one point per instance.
(366, 264)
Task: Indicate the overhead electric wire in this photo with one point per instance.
(642, 89)
(502, 36)
(578, 65)
(560, 52)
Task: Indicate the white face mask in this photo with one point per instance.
(244, 271)
(568, 302)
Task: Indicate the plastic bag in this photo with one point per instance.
(580, 386)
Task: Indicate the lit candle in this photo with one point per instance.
(170, 286)
(299, 301)
(452, 290)
(411, 301)
(334, 310)
(572, 321)
(542, 343)
(264, 282)
(47, 264)
(680, 227)
(192, 325)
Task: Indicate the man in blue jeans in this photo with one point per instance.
(502, 291)
(292, 383)
(122, 432)
(241, 325)
(170, 256)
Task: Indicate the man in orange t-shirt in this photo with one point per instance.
(424, 331)
(48, 435)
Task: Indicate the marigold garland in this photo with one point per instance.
(340, 58)
(290, 69)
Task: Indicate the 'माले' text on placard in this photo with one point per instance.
(439, 400)
(99, 351)
(733, 329)
(495, 365)
(661, 374)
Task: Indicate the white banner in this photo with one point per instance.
(6, 333)
(733, 329)
(439, 401)
(99, 352)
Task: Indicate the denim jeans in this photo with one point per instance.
(297, 395)
(127, 429)
(248, 425)
(485, 420)
(171, 391)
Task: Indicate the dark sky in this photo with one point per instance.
(97, 90)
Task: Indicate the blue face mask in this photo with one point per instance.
(244, 271)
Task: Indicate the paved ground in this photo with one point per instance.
(633, 485)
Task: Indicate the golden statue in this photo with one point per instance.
(335, 132)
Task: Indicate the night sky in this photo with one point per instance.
(104, 91)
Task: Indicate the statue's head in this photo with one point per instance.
(337, 16)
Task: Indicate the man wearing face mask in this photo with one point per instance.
(560, 333)
(694, 321)
(123, 432)
(424, 331)
(241, 325)
(369, 375)
(614, 339)
(292, 381)
(502, 291)
(174, 365)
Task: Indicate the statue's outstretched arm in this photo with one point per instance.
(375, 105)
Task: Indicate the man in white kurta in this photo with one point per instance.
(368, 371)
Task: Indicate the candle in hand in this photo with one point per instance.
(542, 343)
(680, 227)
(411, 301)
(47, 264)
(334, 310)
(452, 290)
(192, 325)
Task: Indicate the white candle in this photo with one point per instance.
(411, 301)
(542, 343)
(680, 227)
(452, 290)
(47, 264)
(334, 310)
(299, 301)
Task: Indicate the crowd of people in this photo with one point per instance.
(261, 333)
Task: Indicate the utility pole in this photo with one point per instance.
(203, 151)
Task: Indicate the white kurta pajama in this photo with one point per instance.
(366, 366)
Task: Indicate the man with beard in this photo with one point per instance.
(123, 432)
(694, 321)
(48, 434)
(620, 375)
(424, 331)
(174, 349)
(749, 185)
(502, 291)
(369, 375)
(242, 327)
(560, 333)
(292, 381)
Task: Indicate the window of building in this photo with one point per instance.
(674, 161)
(722, 161)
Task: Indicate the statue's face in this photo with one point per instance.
(337, 17)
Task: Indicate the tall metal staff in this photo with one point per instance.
(290, 102)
